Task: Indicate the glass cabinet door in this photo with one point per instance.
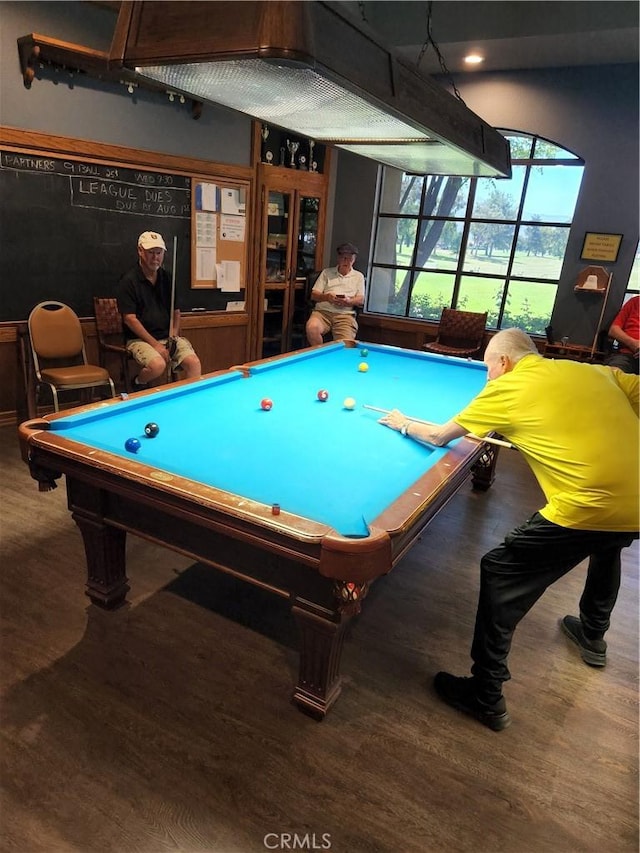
(278, 205)
(308, 211)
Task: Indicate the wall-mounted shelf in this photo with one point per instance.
(594, 280)
(35, 50)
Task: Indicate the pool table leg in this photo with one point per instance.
(105, 549)
(319, 680)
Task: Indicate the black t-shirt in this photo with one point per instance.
(151, 303)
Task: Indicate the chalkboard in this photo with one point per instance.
(69, 228)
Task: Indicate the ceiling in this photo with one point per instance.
(510, 35)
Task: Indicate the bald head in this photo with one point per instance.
(513, 343)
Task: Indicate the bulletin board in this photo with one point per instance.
(219, 234)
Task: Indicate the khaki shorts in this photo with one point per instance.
(144, 353)
(342, 325)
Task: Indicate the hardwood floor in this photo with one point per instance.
(167, 725)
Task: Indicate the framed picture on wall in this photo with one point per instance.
(600, 247)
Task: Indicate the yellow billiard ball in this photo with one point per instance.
(349, 403)
(363, 367)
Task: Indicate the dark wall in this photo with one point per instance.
(105, 112)
(77, 252)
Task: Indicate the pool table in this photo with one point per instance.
(307, 499)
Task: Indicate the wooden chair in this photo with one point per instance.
(460, 333)
(58, 352)
(111, 336)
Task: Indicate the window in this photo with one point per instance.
(478, 244)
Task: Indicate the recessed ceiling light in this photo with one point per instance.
(474, 59)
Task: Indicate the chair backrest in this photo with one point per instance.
(312, 277)
(55, 332)
(108, 317)
(462, 328)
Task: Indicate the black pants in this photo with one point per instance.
(626, 361)
(514, 575)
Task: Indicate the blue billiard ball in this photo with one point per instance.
(132, 445)
(151, 430)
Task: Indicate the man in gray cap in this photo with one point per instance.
(145, 304)
(337, 293)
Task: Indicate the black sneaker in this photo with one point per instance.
(460, 693)
(593, 652)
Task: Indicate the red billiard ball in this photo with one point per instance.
(323, 395)
(266, 404)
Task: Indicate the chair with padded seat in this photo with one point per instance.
(59, 354)
(460, 333)
(111, 339)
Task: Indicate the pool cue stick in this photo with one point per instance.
(173, 303)
(604, 305)
(472, 435)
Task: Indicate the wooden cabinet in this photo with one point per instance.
(291, 220)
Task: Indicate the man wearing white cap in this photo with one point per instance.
(145, 304)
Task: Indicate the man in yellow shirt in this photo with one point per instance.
(577, 427)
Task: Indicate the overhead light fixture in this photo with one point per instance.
(306, 67)
(474, 59)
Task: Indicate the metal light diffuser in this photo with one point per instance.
(305, 67)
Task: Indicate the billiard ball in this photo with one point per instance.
(266, 404)
(151, 430)
(132, 445)
(363, 367)
(323, 395)
(364, 353)
(349, 403)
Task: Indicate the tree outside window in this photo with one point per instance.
(479, 244)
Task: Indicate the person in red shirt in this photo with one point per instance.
(625, 329)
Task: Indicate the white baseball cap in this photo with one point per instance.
(151, 240)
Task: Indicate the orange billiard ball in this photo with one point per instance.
(266, 404)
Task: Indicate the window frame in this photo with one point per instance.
(467, 220)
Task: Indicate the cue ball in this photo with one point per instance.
(349, 403)
(363, 367)
(266, 404)
(151, 430)
(323, 396)
(132, 445)
(364, 353)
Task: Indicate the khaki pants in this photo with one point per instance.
(341, 324)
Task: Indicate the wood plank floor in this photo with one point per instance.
(167, 725)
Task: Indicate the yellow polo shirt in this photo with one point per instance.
(577, 427)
